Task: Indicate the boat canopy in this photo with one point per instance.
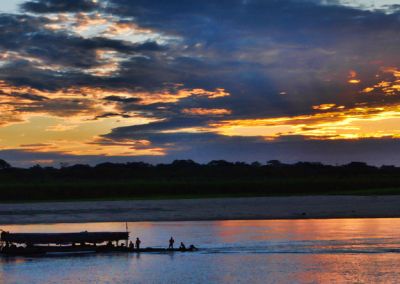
(63, 238)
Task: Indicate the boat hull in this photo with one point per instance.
(60, 251)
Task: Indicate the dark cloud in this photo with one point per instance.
(58, 107)
(149, 131)
(73, 51)
(56, 6)
(30, 97)
(259, 49)
(204, 148)
(48, 59)
(121, 99)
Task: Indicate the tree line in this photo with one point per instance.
(189, 168)
(188, 179)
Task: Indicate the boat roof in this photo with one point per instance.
(63, 238)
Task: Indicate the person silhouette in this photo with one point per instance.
(138, 243)
(182, 246)
(171, 243)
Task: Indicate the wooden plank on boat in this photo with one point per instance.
(63, 238)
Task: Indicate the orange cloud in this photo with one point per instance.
(388, 87)
(353, 123)
(173, 96)
(85, 103)
(206, 111)
(95, 147)
(116, 29)
(324, 107)
(353, 77)
(71, 120)
(105, 25)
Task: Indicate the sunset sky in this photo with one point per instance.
(88, 81)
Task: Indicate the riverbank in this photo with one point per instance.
(292, 207)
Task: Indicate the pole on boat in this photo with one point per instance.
(126, 229)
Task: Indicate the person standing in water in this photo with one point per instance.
(171, 243)
(138, 243)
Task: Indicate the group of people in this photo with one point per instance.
(171, 244)
(137, 243)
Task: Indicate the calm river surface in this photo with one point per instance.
(290, 251)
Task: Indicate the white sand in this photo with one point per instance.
(202, 209)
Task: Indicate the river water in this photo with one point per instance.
(266, 251)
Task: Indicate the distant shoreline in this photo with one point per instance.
(188, 179)
(249, 208)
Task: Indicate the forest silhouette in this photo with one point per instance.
(188, 179)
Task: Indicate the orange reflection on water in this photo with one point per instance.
(321, 229)
(230, 229)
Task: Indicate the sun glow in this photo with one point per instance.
(354, 123)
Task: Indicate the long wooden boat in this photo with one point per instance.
(63, 238)
(49, 244)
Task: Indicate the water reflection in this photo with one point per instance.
(280, 251)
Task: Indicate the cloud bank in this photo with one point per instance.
(92, 80)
